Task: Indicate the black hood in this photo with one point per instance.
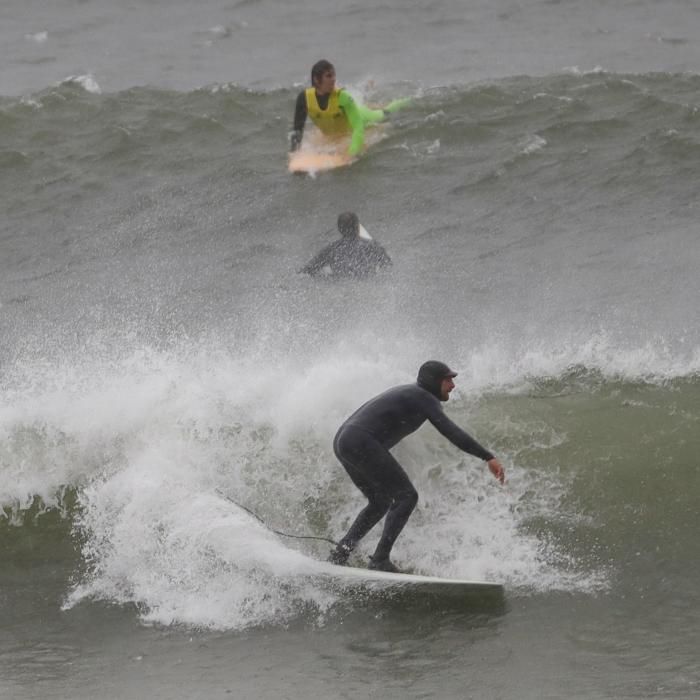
(431, 374)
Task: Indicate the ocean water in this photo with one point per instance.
(160, 355)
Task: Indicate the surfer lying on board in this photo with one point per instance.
(334, 111)
(353, 255)
(362, 445)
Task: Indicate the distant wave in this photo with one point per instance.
(557, 117)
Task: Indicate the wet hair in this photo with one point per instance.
(319, 68)
(348, 224)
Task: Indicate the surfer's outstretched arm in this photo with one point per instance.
(323, 258)
(464, 441)
(396, 105)
(372, 116)
(359, 116)
(315, 265)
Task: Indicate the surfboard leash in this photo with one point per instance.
(271, 529)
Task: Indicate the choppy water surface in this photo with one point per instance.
(159, 351)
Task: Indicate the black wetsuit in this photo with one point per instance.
(362, 445)
(350, 256)
(300, 114)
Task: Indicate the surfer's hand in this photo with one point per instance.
(396, 105)
(496, 469)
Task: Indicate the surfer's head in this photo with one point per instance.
(348, 224)
(436, 377)
(323, 76)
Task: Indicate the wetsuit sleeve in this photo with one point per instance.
(357, 117)
(300, 114)
(455, 434)
(383, 259)
(376, 255)
(360, 115)
(396, 105)
(316, 264)
(371, 116)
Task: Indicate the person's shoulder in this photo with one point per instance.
(397, 390)
(344, 97)
(376, 251)
(338, 244)
(411, 394)
(412, 391)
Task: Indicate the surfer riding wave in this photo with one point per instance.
(362, 446)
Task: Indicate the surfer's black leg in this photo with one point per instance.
(356, 451)
(403, 497)
(383, 482)
(365, 521)
(399, 513)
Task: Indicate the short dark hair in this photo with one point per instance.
(319, 68)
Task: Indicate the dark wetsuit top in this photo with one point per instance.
(350, 256)
(400, 411)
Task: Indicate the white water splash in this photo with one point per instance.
(148, 441)
(87, 82)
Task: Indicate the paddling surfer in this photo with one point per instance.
(334, 111)
(352, 255)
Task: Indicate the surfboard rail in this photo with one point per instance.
(369, 583)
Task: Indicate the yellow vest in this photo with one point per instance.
(332, 120)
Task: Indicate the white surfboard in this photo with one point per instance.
(387, 585)
(383, 582)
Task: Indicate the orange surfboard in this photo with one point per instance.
(310, 162)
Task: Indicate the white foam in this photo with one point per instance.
(220, 30)
(436, 116)
(184, 555)
(87, 82)
(148, 439)
(575, 70)
(533, 145)
(31, 102)
(433, 148)
(38, 37)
